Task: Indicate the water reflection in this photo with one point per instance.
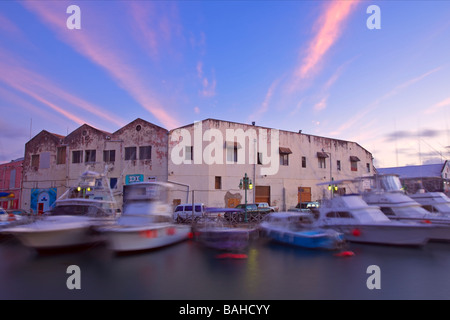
(190, 271)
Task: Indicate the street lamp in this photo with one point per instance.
(246, 184)
(331, 187)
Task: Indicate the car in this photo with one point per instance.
(265, 206)
(305, 206)
(184, 213)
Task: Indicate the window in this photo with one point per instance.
(113, 183)
(12, 179)
(338, 165)
(189, 153)
(145, 153)
(218, 182)
(354, 163)
(61, 155)
(322, 163)
(260, 158)
(35, 161)
(77, 156)
(89, 156)
(109, 155)
(284, 155)
(232, 154)
(130, 153)
(44, 161)
(284, 159)
(303, 162)
(368, 167)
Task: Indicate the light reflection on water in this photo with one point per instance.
(190, 271)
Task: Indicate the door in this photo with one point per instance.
(40, 208)
(262, 194)
(304, 194)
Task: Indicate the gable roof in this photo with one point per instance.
(419, 171)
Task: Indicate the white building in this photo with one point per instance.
(209, 158)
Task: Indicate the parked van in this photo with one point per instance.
(183, 212)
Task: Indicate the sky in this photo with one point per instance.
(314, 66)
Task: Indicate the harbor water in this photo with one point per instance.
(266, 271)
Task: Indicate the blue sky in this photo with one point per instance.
(293, 65)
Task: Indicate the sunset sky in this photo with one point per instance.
(313, 66)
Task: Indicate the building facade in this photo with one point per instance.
(208, 159)
(52, 163)
(11, 184)
(205, 161)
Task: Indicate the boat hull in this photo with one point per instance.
(385, 234)
(228, 239)
(55, 233)
(129, 239)
(311, 239)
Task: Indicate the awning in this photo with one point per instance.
(284, 150)
(6, 195)
(322, 155)
(354, 159)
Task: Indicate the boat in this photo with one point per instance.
(72, 220)
(294, 228)
(434, 202)
(213, 232)
(146, 222)
(388, 194)
(360, 222)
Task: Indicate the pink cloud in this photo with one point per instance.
(99, 47)
(265, 105)
(23, 79)
(329, 27)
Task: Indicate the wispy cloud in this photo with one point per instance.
(40, 88)
(100, 49)
(372, 106)
(329, 27)
(438, 106)
(265, 104)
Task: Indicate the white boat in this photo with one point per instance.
(71, 222)
(146, 222)
(360, 222)
(388, 194)
(434, 202)
(295, 229)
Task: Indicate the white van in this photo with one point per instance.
(183, 212)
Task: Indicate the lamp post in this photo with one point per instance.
(246, 184)
(331, 187)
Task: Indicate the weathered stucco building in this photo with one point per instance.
(53, 163)
(205, 160)
(212, 156)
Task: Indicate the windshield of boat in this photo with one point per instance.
(78, 210)
(390, 183)
(370, 215)
(410, 211)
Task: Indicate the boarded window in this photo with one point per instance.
(145, 153)
(61, 155)
(44, 162)
(338, 164)
(303, 162)
(218, 182)
(77, 156)
(90, 156)
(35, 161)
(322, 163)
(12, 179)
(130, 153)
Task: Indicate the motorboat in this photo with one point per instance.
(360, 222)
(294, 228)
(215, 232)
(146, 221)
(396, 205)
(434, 202)
(72, 220)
